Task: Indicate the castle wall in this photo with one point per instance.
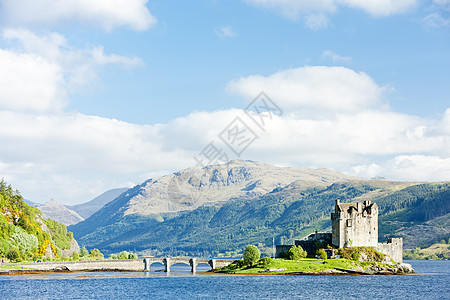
(280, 249)
(354, 226)
(393, 248)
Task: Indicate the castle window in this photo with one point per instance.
(349, 223)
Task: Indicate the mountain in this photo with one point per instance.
(55, 210)
(86, 209)
(30, 203)
(162, 198)
(252, 203)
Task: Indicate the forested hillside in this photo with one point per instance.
(24, 234)
(284, 214)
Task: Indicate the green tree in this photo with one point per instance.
(75, 256)
(95, 254)
(251, 255)
(123, 255)
(321, 254)
(132, 256)
(24, 241)
(13, 254)
(296, 252)
(84, 252)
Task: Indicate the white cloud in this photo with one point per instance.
(381, 7)
(315, 12)
(440, 17)
(335, 57)
(30, 83)
(408, 168)
(108, 14)
(330, 88)
(37, 72)
(225, 32)
(316, 21)
(334, 117)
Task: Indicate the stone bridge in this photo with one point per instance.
(192, 262)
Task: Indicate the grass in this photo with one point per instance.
(434, 252)
(303, 265)
(10, 267)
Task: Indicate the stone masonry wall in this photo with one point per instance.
(97, 265)
(393, 248)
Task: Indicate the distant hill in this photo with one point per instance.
(30, 203)
(57, 211)
(87, 209)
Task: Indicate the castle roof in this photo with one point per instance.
(348, 207)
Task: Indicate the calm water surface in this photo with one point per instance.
(433, 282)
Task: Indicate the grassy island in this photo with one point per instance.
(313, 266)
(356, 260)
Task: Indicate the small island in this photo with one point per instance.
(351, 248)
(351, 261)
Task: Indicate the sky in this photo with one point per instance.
(100, 94)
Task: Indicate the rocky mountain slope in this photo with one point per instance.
(164, 197)
(57, 211)
(86, 209)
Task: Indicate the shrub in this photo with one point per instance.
(296, 252)
(13, 254)
(132, 256)
(113, 256)
(95, 254)
(265, 261)
(123, 255)
(321, 254)
(240, 263)
(75, 256)
(251, 255)
(84, 251)
(356, 256)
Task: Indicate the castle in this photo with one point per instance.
(353, 225)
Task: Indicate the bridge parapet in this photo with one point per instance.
(192, 262)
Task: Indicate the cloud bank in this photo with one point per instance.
(108, 14)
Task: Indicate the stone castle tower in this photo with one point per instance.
(355, 224)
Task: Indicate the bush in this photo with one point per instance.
(265, 261)
(251, 255)
(13, 254)
(356, 256)
(321, 254)
(95, 254)
(75, 256)
(296, 252)
(113, 256)
(84, 251)
(132, 256)
(123, 255)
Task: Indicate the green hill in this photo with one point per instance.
(25, 235)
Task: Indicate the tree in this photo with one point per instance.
(13, 254)
(123, 255)
(296, 252)
(251, 255)
(84, 251)
(321, 254)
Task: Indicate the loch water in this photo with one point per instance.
(432, 281)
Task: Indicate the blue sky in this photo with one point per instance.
(101, 94)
